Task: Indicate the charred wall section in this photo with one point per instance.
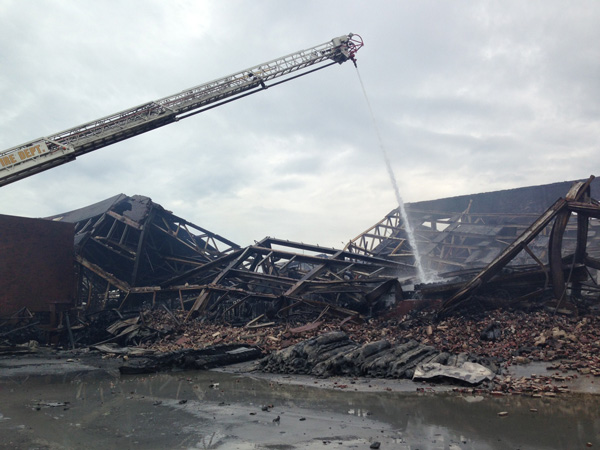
(36, 265)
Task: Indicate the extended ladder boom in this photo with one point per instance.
(44, 153)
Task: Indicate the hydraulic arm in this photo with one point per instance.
(44, 153)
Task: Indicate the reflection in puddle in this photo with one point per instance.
(219, 410)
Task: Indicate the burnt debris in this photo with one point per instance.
(521, 247)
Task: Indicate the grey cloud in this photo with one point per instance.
(467, 96)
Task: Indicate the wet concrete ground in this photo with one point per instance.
(47, 403)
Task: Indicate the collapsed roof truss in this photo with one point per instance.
(130, 248)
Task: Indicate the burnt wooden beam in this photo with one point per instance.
(140, 249)
(556, 237)
(317, 270)
(556, 270)
(119, 284)
(594, 263)
(504, 257)
(124, 220)
(214, 265)
(201, 301)
(588, 209)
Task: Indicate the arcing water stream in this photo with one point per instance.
(407, 226)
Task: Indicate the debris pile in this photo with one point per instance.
(19, 328)
(133, 254)
(497, 339)
(520, 337)
(150, 279)
(513, 337)
(335, 353)
(189, 359)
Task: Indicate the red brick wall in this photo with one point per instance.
(36, 264)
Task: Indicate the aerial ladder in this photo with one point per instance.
(45, 153)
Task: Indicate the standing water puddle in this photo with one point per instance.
(225, 411)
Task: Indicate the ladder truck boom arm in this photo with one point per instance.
(44, 153)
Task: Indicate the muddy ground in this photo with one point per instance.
(75, 400)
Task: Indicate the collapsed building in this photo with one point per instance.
(130, 252)
(539, 242)
(514, 246)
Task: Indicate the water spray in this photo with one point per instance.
(402, 209)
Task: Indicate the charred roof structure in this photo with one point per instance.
(134, 245)
(467, 231)
(524, 241)
(516, 243)
(131, 251)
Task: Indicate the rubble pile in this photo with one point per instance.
(536, 385)
(520, 286)
(134, 255)
(516, 337)
(170, 333)
(395, 347)
(335, 354)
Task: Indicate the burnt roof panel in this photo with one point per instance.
(87, 212)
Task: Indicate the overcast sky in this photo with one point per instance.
(468, 96)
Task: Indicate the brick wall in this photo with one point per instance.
(36, 264)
